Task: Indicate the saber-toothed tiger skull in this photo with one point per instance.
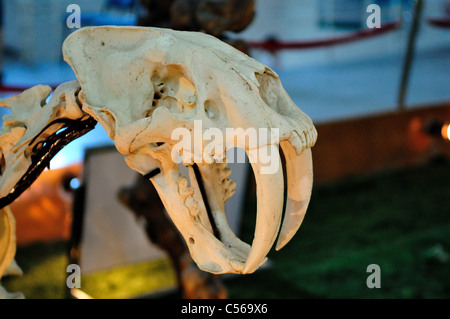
(141, 84)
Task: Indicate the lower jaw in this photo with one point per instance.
(222, 251)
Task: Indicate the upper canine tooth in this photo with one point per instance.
(299, 177)
(269, 195)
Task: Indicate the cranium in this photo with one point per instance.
(141, 84)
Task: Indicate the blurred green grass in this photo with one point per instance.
(399, 220)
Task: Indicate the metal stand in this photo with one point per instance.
(418, 8)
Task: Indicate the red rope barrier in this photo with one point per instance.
(274, 45)
(13, 89)
(440, 22)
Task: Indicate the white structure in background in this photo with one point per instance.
(36, 29)
(294, 20)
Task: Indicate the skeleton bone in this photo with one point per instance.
(23, 136)
(8, 265)
(142, 83)
(28, 128)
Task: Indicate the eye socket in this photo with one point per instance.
(173, 89)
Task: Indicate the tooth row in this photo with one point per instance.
(206, 159)
(229, 187)
(187, 193)
(223, 173)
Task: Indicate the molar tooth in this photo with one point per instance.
(296, 142)
(221, 165)
(188, 192)
(183, 187)
(182, 183)
(228, 193)
(189, 201)
(194, 210)
(192, 205)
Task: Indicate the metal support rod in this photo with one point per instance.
(409, 55)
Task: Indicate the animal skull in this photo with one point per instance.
(141, 84)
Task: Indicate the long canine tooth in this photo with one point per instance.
(299, 171)
(270, 193)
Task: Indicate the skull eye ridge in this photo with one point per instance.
(173, 90)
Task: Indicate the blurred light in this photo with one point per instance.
(438, 128)
(445, 131)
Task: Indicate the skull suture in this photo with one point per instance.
(142, 83)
